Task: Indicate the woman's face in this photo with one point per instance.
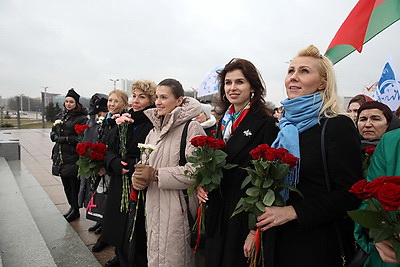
(69, 103)
(237, 89)
(140, 100)
(303, 77)
(353, 108)
(115, 104)
(372, 124)
(166, 101)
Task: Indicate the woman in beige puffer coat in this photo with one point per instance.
(168, 233)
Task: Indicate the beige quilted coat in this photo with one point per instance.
(167, 223)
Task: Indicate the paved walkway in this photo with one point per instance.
(35, 154)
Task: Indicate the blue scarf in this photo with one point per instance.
(300, 114)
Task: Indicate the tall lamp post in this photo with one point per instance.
(115, 82)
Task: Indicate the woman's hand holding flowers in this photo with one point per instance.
(145, 172)
(275, 216)
(385, 249)
(248, 246)
(202, 195)
(139, 184)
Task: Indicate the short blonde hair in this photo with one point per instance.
(122, 95)
(331, 106)
(147, 86)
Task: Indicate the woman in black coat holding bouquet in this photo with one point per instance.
(306, 231)
(118, 224)
(245, 125)
(65, 137)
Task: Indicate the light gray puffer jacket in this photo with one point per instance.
(168, 234)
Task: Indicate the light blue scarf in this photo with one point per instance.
(300, 114)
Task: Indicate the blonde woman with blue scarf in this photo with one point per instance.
(303, 233)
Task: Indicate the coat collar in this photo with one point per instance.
(248, 129)
(189, 109)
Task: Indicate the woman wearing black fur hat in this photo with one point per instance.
(65, 137)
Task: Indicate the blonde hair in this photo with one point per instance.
(331, 106)
(123, 96)
(147, 86)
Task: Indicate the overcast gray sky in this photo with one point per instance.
(84, 43)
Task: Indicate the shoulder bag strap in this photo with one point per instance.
(328, 187)
(182, 161)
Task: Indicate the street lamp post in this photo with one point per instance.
(115, 82)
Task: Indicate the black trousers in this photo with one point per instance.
(71, 186)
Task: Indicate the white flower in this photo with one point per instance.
(146, 146)
(247, 132)
(57, 122)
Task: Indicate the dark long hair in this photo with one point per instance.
(250, 72)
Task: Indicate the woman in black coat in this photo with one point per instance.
(245, 125)
(118, 224)
(64, 135)
(310, 231)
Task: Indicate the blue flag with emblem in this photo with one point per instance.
(388, 91)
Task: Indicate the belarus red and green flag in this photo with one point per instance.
(367, 19)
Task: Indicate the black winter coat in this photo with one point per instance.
(66, 138)
(226, 235)
(115, 222)
(311, 240)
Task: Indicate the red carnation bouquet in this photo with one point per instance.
(208, 160)
(264, 182)
(91, 158)
(381, 215)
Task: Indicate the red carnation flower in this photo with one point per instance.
(79, 128)
(389, 196)
(270, 154)
(219, 144)
(280, 153)
(290, 159)
(373, 186)
(199, 141)
(96, 156)
(359, 189)
(255, 153)
(210, 141)
(370, 150)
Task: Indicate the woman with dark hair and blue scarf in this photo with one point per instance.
(311, 230)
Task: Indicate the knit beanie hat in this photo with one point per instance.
(73, 94)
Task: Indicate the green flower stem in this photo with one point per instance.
(123, 128)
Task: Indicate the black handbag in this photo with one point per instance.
(95, 207)
(360, 256)
(56, 169)
(56, 156)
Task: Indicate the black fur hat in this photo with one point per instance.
(98, 103)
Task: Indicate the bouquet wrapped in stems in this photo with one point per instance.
(208, 160)
(382, 213)
(122, 122)
(91, 158)
(264, 183)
